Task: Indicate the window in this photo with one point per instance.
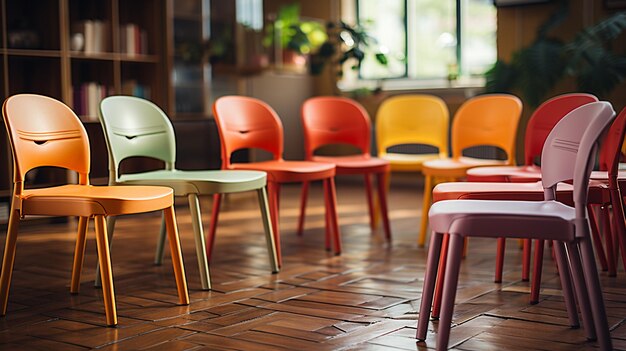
(429, 39)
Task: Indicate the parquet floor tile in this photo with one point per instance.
(367, 299)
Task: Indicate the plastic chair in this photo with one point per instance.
(336, 120)
(569, 154)
(136, 127)
(490, 119)
(245, 123)
(45, 132)
(412, 119)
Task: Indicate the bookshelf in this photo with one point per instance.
(79, 51)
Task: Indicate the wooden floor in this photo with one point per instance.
(365, 299)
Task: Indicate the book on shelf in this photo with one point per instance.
(90, 36)
(87, 97)
(133, 40)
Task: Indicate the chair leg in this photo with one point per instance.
(449, 290)
(177, 257)
(370, 200)
(535, 284)
(618, 222)
(566, 284)
(595, 294)
(303, 198)
(274, 216)
(106, 275)
(215, 212)
(158, 255)
(526, 254)
(331, 209)
(595, 232)
(434, 251)
(196, 223)
(267, 226)
(608, 238)
(580, 290)
(110, 229)
(500, 259)
(8, 260)
(381, 182)
(428, 189)
(79, 254)
(441, 274)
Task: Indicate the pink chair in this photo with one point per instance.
(568, 154)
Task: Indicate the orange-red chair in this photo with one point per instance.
(246, 123)
(45, 132)
(337, 120)
(489, 119)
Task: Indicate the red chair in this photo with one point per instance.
(337, 120)
(245, 123)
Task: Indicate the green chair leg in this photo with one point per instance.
(196, 223)
(267, 225)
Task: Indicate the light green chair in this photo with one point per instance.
(137, 127)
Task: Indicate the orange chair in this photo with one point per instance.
(244, 123)
(45, 132)
(489, 119)
(336, 120)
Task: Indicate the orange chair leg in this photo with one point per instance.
(535, 284)
(215, 212)
(370, 201)
(381, 182)
(500, 259)
(177, 257)
(8, 260)
(526, 253)
(331, 203)
(327, 225)
(303, 197)
(79, 254)
(106, 275)
(597, 241)
(428, 189)
(441, 274)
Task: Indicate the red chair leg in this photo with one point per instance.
(526, 253)
(382, 199)
(595, 234)
(608, 238)
(535, 284)
(500, 259)
(217, 201)
(303, 197)
(619, 225)
(370, 201)
(441, 273)
(331, 208)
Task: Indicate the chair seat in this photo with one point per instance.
(456, 168)
(282, 171)
(407, 162)
(550, 220)
(204, 182)
(598, 192)
(516, 174)
(355, 164)
(87, 200)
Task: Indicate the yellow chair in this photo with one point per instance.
(412, 119)
(486, 120)
(45, 132)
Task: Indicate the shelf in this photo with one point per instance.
(33, 53)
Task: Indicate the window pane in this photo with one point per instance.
(384, 21)
(432, 37)
(478, 37)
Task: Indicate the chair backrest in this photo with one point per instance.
(245, 122)
(489, 119)
(570, 150)
(611, 149)
(412, 119)
(45, 132)
(136, 127)
(334, 120)
(545, 117)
